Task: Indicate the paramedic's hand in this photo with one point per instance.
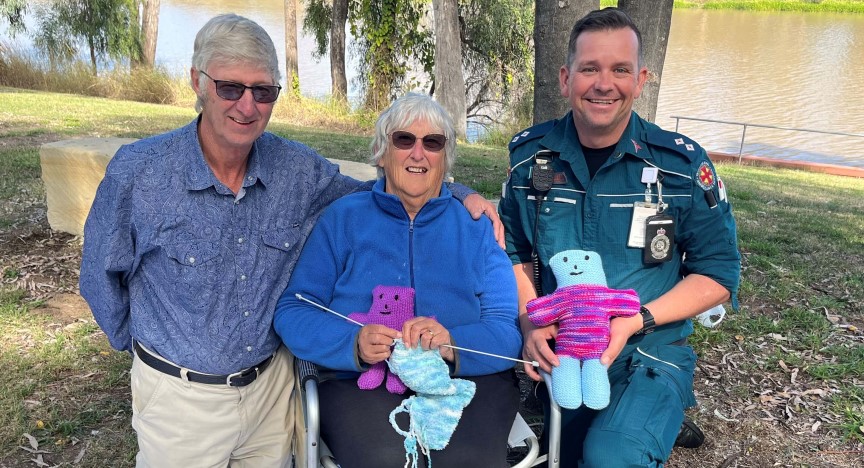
(478, 206)
(620, 330)
(374, 343)
(429, 334)
(535, 346)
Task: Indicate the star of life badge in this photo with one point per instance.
(705, 176)
(659, 239)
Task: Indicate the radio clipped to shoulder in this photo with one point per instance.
(542, 173)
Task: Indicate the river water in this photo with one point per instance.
(801, 70)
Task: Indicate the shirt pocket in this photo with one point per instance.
(284, 240)
(193, 254)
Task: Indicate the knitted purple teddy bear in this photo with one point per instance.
(391, 306)
(583, 306)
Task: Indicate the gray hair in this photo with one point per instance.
(231, 40)
(401, 114)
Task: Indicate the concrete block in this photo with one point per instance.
(71, 172)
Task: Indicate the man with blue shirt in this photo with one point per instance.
(649, 202)
(190, 241)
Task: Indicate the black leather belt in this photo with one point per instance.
(237, 379)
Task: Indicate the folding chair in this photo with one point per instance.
(318, 455)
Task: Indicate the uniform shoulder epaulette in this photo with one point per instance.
(673, 141)
(531, 133)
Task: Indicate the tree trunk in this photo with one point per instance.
(553, 21)
(149, 32)
(339, 17)
(654, 20)
(449, 81)
(292, 79)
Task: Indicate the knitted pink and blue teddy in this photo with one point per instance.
(583, 306)
(392, 306)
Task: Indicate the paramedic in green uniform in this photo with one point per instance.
(649, 202)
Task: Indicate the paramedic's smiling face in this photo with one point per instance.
(601, 84)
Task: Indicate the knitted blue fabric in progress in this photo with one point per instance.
(436, 408)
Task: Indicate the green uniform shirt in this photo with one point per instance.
(595, 214)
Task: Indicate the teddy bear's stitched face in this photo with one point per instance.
(392, 302)
(577, 267)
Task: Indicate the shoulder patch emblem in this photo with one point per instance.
(705, 176)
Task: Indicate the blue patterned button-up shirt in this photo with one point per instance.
(173, 259)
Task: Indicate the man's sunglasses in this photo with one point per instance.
(232, 91)
(405, 140)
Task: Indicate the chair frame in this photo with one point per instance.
(317, 453)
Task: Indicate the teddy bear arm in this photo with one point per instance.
(543, 316)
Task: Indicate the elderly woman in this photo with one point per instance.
(408, 231)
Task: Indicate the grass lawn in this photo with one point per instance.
(779, 382)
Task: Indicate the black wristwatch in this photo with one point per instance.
(647, 321)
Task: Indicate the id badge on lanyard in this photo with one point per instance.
(651, 229)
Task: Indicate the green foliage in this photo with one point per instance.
(316, 23)
(13, 12)
(389, 38)
(105, 28)
(497, 55)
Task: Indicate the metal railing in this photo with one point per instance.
(745, 125)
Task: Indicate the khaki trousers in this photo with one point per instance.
(185, 424)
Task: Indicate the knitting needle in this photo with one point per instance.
(300, 296)
(533, 363)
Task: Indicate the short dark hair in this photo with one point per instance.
(602, 20)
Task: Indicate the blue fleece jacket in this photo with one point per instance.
(459, 273)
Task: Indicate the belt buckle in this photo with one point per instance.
(241, 374)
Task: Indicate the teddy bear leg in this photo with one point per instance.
(372, 377)
(567, 383)
(395, 385)
(595, 384)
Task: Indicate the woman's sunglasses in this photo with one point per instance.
(232, 91)
(405, 140)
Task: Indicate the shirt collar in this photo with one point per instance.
(199, 176)
(391, 204)
(564, 140)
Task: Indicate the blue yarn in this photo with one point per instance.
(436, 408)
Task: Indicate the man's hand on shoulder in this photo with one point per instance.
(478, 206)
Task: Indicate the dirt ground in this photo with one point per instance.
(751, 417)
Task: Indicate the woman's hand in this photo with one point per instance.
(430, 334)
(375, 343)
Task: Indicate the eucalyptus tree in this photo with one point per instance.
(553, 21)
(292, 77)
(449, 81)
(149, 31)
(654, 21)
(105, 28)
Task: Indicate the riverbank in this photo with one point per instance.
(749, 160)
(820, 6)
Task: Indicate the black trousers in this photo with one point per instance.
(355, 425)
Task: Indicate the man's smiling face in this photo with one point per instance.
(233, 124)
(601, 84)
